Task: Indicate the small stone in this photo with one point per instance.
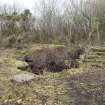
(19, 101)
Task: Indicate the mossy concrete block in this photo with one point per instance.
(23, 78)
(21, 65)
(98, 49)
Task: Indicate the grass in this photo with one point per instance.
(49, 88)
(44, 88)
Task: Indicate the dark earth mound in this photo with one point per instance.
(54, 59)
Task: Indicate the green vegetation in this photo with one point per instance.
(78, 26)
(50, 87)
(46, 87)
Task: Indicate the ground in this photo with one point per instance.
(80, 86)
